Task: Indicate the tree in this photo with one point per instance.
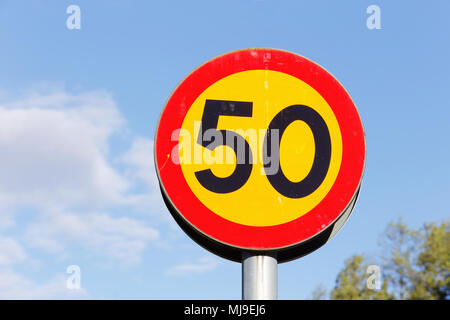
(433, 278)
(351, 282)
(415, 265)
(319, 293)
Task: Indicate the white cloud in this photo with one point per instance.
(204, 264)
(14, 285)
(57, 172)
(121, 238)
(140, 160)
(54, 149)
(11, 252)
(56, 165)
(6, 218)
(140, 168)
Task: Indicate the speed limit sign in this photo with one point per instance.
(260, 150)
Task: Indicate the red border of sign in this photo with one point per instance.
(283, 235)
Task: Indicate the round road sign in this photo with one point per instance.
(260, 150)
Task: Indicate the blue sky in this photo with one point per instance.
(78, 111)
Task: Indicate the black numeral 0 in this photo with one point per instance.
(215, 108)
(322, 155)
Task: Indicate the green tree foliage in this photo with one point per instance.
(319, 293)
(351, 282)
(415, 265)
(432, 280)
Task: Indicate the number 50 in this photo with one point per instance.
(216, 108)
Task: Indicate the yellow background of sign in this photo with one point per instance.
(257, 203)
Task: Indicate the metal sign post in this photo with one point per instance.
(259, 276)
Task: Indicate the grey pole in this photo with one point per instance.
(259, 276)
